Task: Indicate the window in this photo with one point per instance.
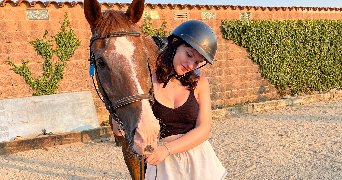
(180, 15)
(245, 15)
(38, 14)
(208, 15)
(151, 15)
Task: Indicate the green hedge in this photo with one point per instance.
(297, 56)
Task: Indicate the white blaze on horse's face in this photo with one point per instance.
(126, 48)
(146, 134)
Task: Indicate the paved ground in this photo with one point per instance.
(299, 142)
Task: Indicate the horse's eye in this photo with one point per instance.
(100, 62)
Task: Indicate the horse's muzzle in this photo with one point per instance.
(147, 131)
(145, 142)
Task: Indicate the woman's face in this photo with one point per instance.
(186, 59)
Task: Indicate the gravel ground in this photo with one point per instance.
(299, 142)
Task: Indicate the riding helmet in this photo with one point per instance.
(199, 35)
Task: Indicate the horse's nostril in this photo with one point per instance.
(149, 148)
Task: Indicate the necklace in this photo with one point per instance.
(173, 83)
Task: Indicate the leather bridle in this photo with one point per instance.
(126, 100)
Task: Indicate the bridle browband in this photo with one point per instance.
(126, 100)
(113, 34)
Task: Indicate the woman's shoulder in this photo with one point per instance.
(202, 86)
(202, 82)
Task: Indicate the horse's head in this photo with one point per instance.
(122, 69)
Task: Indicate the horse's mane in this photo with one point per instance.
(114, 21)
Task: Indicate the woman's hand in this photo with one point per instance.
(157, 156)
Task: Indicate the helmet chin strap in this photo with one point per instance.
(178, 77)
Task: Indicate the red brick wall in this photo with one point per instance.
(234, 78)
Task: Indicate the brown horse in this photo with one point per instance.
(121, 56)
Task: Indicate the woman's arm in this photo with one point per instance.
(194, 137)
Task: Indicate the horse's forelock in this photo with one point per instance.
(114, 21)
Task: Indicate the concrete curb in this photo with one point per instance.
(10, 147)
(269, 105)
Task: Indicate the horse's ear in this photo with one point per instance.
(136, 10)
(92, 12)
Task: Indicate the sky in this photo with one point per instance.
(304, 3)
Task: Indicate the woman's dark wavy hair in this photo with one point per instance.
(165, 66)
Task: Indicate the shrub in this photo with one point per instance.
(66, 42)
(147, 27)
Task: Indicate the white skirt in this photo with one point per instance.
(198, 163)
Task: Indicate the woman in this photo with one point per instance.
(183, 106)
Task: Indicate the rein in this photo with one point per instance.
(126, 100)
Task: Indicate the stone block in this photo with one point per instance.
(221, 15)
(220, 40)
(234, 94)
(257, 15)
(2, 50)
(8, 26)
(233, 15)
(10, 147)
(228, 71)
(195, 15)
(338, 94)
(166, 15)
(5, 80)
(226, 94)
(228, 86)
(21, 36)
(218, 114)
(58, 113)
(276, 16)
(242, 93)
(249, 92)
(35, 33)
(269, 105)
(15, 58)
(223, 48)
(234, 48)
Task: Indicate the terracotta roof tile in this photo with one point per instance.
(18, 3)
(173, 6)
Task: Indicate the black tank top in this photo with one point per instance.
(179, 120)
